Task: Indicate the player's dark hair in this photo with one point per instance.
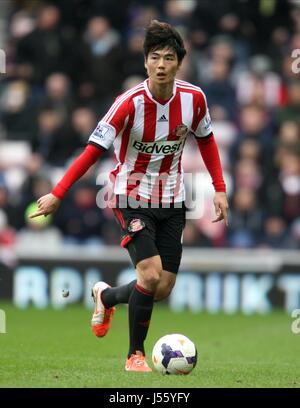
(161, 35)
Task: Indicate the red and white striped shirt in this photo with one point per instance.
(149, 137)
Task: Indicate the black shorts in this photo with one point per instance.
(148, 232)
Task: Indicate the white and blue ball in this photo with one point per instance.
(174, 354)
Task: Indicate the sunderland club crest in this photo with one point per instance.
(136, 225)
(181, 131)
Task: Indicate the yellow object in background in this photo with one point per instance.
(41, 221)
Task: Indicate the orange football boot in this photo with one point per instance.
(137, 362)
(102, 316)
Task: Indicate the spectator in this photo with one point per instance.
(83, 122)
(58, 96)
(246, 220)
(16, 112)
(219, 90)
(48, 48)
(80, 220)
(102, 58)
(276, 234)
(291, 110)
(52, 141)
(134, 55)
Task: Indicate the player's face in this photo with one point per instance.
(162, 65)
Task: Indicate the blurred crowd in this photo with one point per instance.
(67, 60)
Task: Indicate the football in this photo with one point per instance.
(174, 354)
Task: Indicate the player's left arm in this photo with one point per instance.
(210, 154)
(221, 207)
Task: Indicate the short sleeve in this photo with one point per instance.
(111, 124)
(104, 135)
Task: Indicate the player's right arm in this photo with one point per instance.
(100, 141)
(49, 203)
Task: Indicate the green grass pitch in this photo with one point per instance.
(48, 348)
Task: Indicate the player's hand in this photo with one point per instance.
(47, 204)
(221, 207)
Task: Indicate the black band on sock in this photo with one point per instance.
(140, 310)
(120, 294)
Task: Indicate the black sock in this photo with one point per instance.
(120, 294)
(140, 310)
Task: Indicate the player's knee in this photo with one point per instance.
(150, 273)
(152, 278)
